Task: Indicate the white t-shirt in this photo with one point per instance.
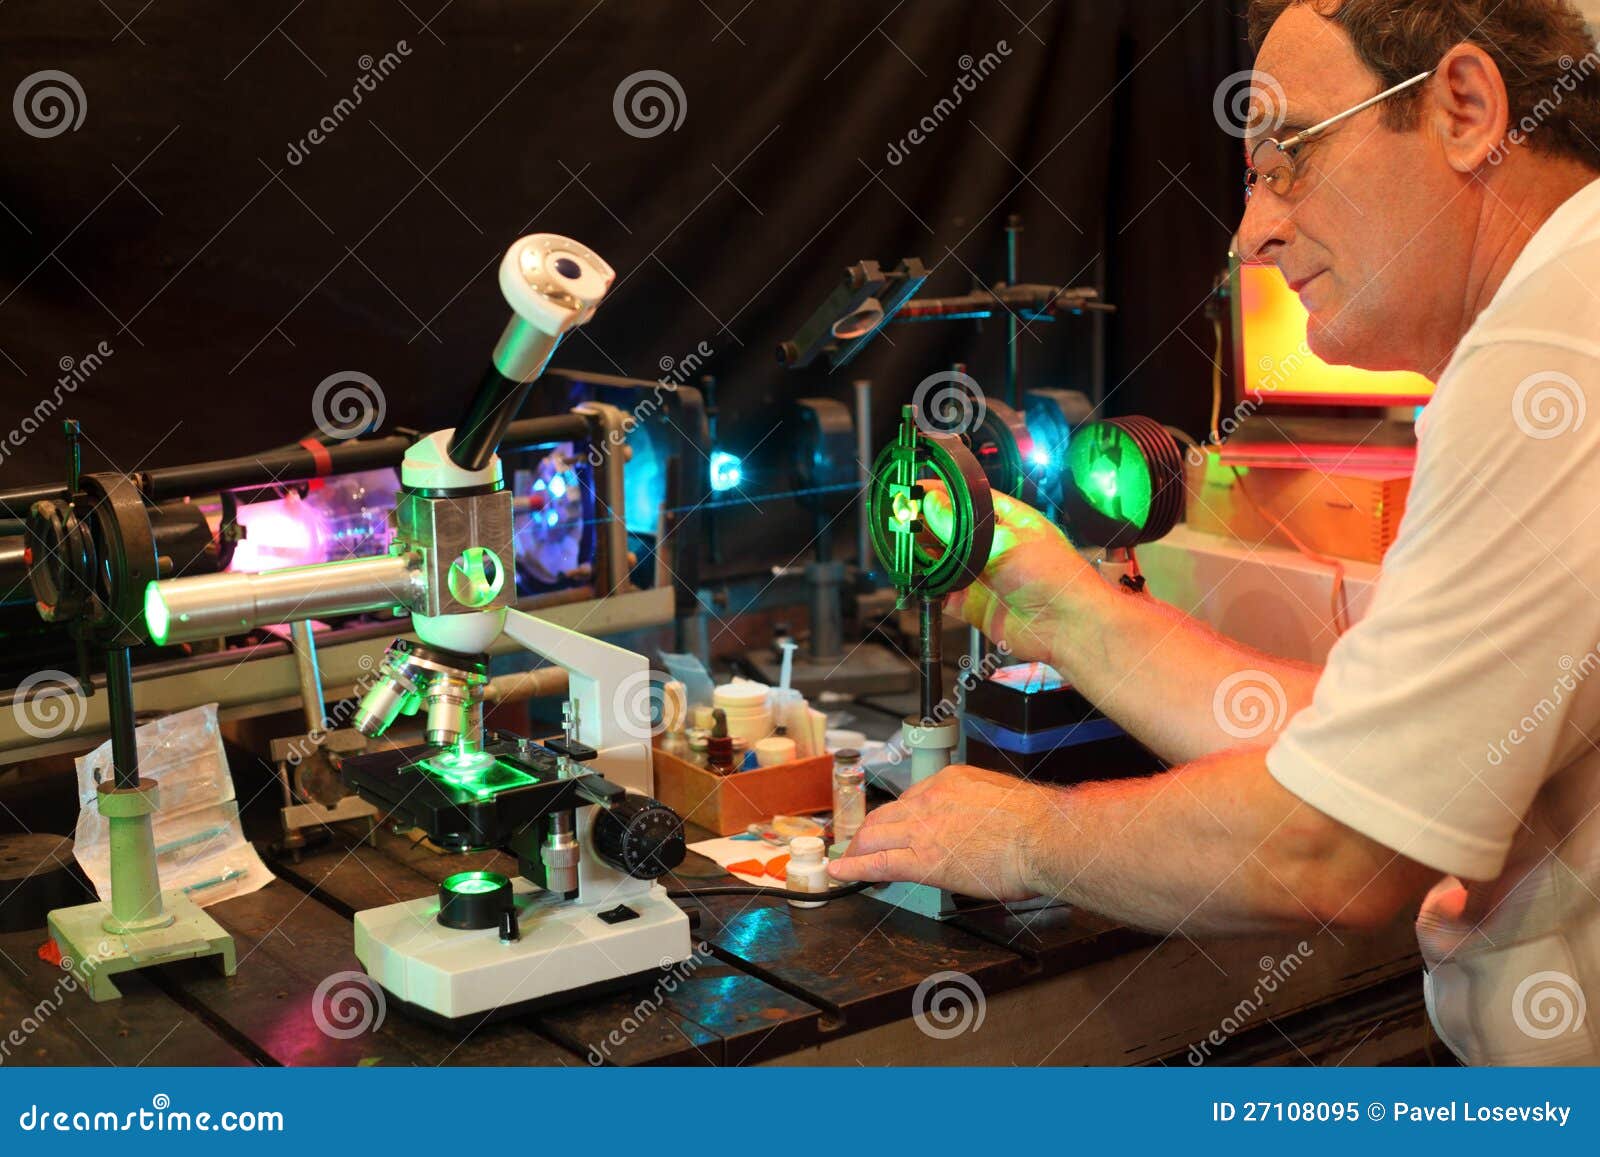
(1459, 721)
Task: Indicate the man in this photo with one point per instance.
(1447, 758)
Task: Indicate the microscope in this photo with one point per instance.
(584, 911)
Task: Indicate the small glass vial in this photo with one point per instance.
(849, 795)
(807, 870)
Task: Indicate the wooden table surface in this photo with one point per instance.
(842, 984)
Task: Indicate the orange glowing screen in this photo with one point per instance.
(1275, 364)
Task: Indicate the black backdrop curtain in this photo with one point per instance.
(230, 263)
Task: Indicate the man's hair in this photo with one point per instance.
(1546, 57)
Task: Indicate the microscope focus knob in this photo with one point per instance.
(639, 836)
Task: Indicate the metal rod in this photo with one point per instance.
(119, 694)
(930, 654)
(863, 389)
(290, 464)
(211, 606)
(1013, 350)
(309, 677)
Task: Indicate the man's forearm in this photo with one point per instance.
(1215, 847)
(1171, 682)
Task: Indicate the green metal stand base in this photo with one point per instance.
(924, 900)
(97, 955)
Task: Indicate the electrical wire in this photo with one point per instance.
(775, 893)
(1216, 383)
(1340, 609)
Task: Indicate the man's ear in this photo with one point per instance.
(1468, 106)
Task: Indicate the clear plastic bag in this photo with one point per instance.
(200, 846)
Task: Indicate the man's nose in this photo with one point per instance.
(1264, 229)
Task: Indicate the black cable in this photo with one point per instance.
(776, 893)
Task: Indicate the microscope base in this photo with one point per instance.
(98, 955)
(444, 974)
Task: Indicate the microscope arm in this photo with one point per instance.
(609, 688)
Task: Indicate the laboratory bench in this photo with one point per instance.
(852, 983)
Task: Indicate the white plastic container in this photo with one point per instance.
(808, 869)
(745, 707)
(773, 750)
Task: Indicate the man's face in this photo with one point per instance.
(1373, 235)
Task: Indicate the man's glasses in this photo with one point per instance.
(1273, 162)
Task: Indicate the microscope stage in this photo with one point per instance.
(566, 949)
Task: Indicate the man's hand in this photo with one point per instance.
(965, 829)
(1025, 589)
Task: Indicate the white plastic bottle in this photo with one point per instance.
(808, 869)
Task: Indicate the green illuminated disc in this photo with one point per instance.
(1110, 473)
(474, 883)
(156, 616)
